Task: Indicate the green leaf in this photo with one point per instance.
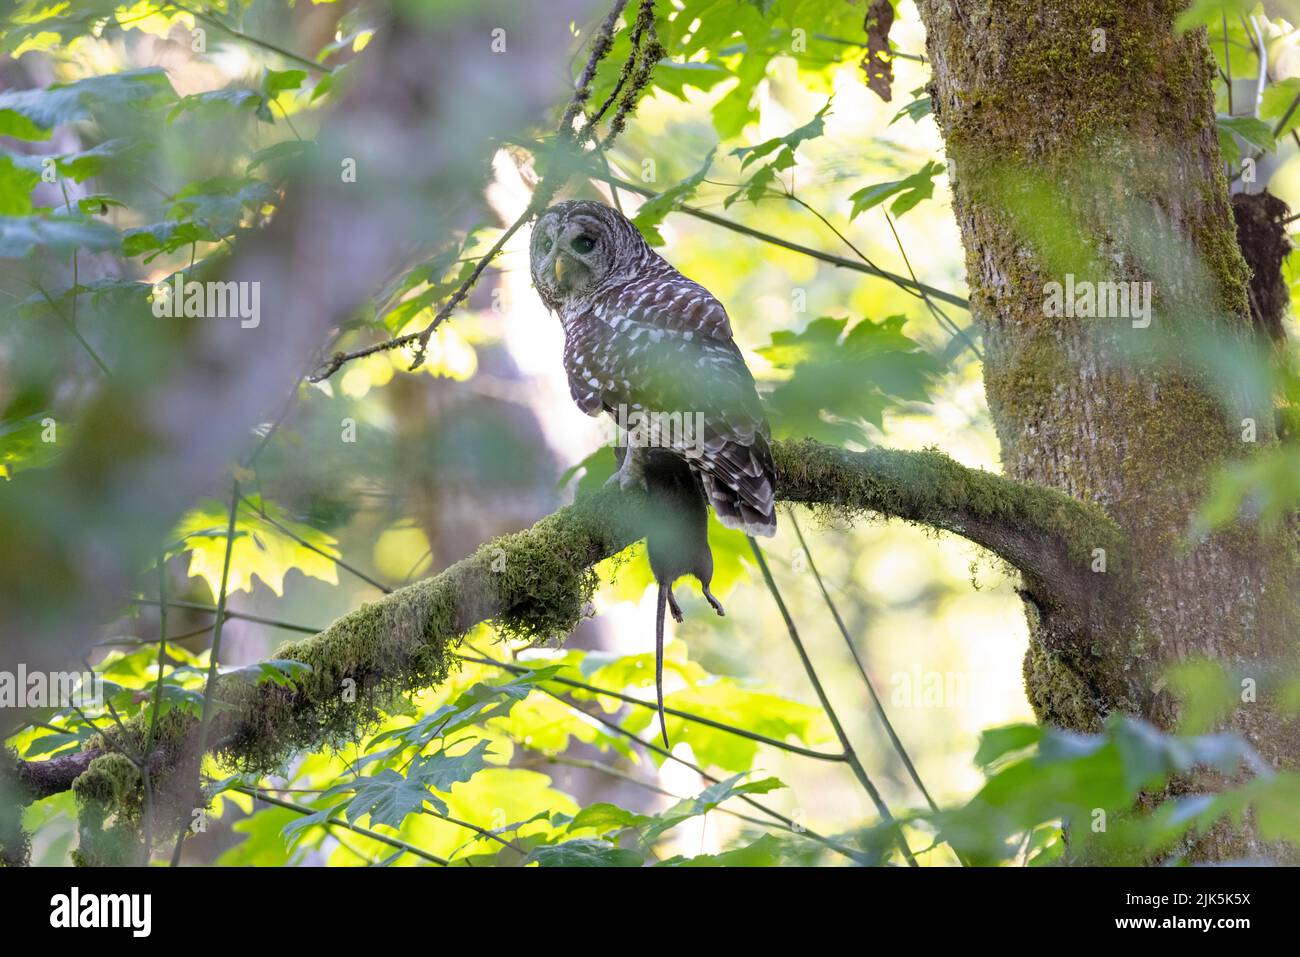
(1076, 776)
(98, 204)
(1274, 802)
(840, 380)
(389, 798)
(708, 799)
(481, 702)
(1264, 488)
(260, 548)
(584, 853)
(110, 296)
(603, 818)
(16, 185)
(764, 852)
(782, 150)
(156, 239)
(23, 445)
(280, 157)
(82, 165)
(1205, 13)
(910, 191)
(653, 211)
(276, 82)
(917, 110)
(1278, 100)
(595, 469)
(1255, 133)
(59, 235)
(675, 78)
(33, 114)
(442, 770)
(997, 743)
(38, 25)
(216, 102)
(790, 142)
(1207, 692)
(55, 744)
(294, 831)
(727, 702)
(736, 109)
(221, 203)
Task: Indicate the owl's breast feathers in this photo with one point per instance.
(660, 345)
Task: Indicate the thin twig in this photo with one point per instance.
(72, 326)
(214, 656)
(600, 47)
(546, 189)
(790, 823)
(242, 616)
(162, 653)
(684, 715)
(665, 753)
(939, 315)
(862, 668)
(831, 258)
(255, 41)
(897, 54)
(914, 289)
(588, 765)
(340, 822)
(1227, 62)
(261, 514)
(858, 770)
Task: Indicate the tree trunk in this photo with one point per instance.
(1082, 141)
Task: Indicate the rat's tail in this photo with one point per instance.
(659, 658)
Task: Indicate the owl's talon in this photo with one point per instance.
(625, 481)
(629, 474)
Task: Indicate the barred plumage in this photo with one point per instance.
(641, 337)
(646, 345)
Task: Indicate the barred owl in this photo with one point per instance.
(652, 349)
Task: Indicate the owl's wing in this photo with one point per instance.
(674, 303)
(684, 380)
(736, 464)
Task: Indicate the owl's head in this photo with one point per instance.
(579, 246)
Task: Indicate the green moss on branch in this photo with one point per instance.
(538, 584)
(535, 584)
(1044, 533)
(109, 807)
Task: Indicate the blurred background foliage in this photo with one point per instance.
(136, 147)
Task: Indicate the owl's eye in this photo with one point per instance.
(583, 245)
(547, 243)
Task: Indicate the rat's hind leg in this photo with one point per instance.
(675, 608)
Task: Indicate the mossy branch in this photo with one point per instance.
(538, 584)
(1067, 551)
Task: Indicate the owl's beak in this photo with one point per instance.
(560, 262)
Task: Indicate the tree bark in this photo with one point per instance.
(1082, 141)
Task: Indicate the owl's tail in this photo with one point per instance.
(741, 486)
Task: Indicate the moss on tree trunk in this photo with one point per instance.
(1082, 141)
